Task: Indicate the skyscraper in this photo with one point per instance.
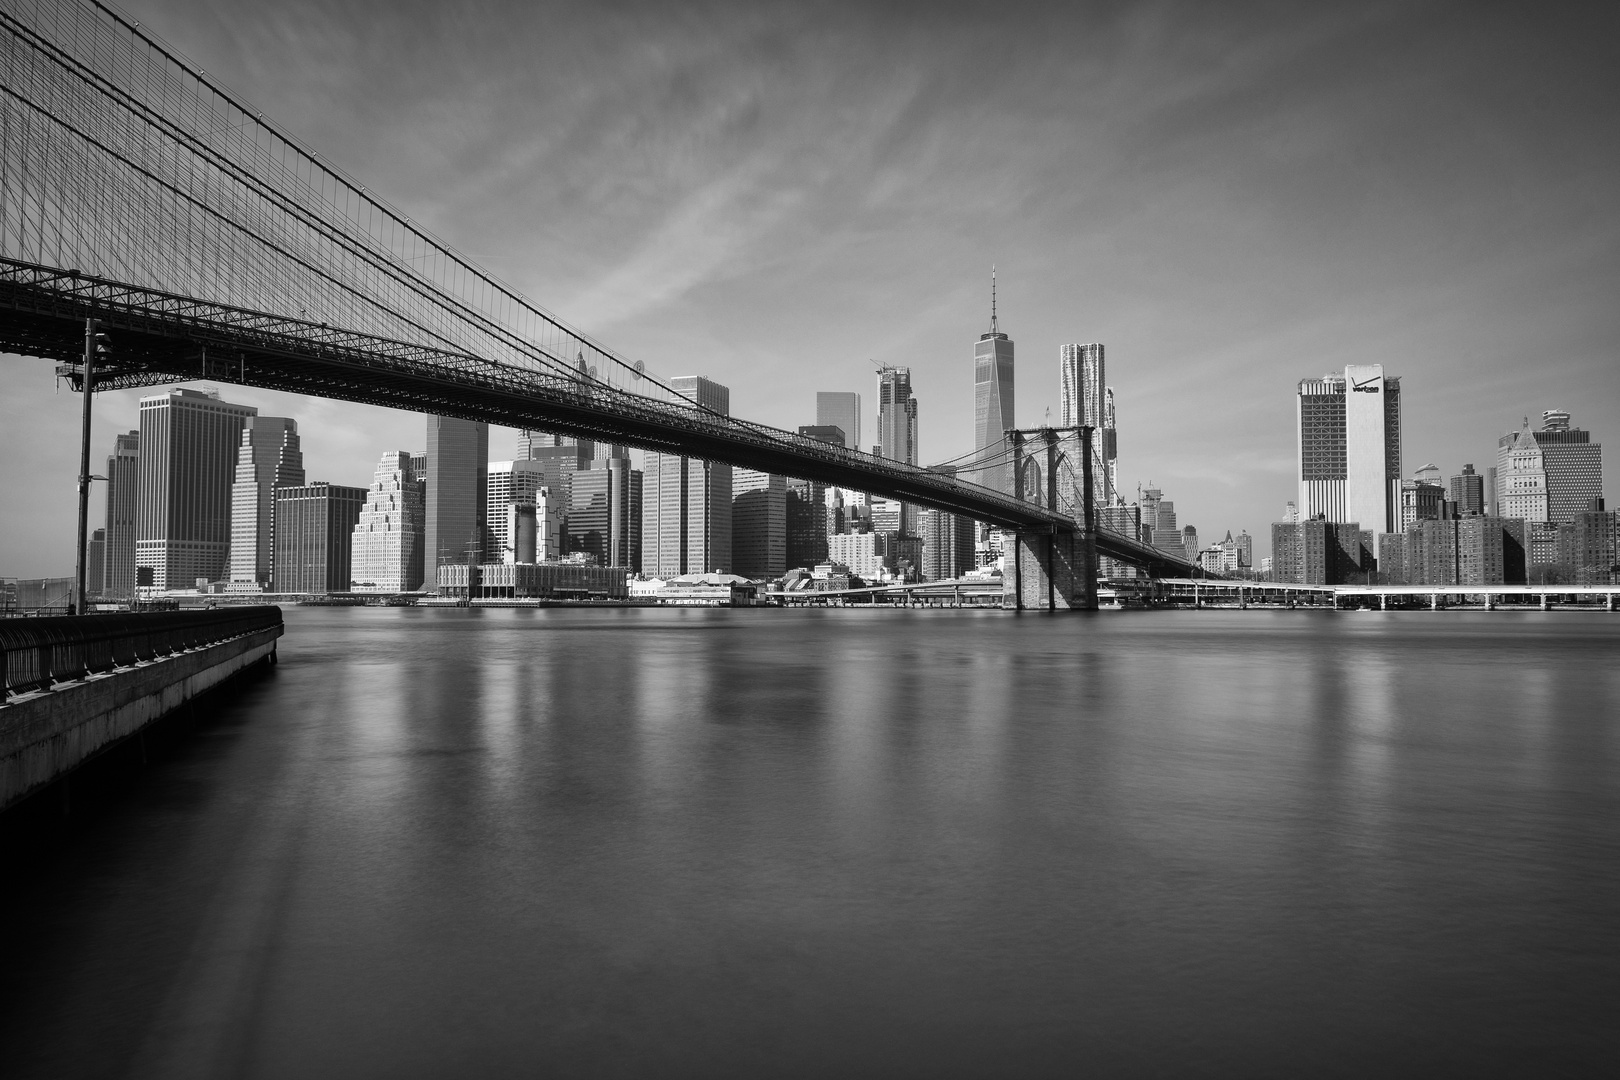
(1350, 447)
(993, 403)
(842, 411)
(510, 482)
(123, 488)
(387, 546)
(1468, 491)
(1110, 445)
(457, 490)
(188, 449)
(604, 513)
(1548, 475)
(314, 537)
(947, 541)
(686, 502)
(1082, 393)
(1085, 400)
(897, 415)
(531, 444)
(95, 564)
(758, 524)
(806, 512)
(269, 457)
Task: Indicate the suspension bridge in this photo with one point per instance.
(208, 243)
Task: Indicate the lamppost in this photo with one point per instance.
(95, 344)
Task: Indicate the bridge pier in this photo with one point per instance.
(1049, 572)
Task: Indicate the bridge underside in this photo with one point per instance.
(159, 339)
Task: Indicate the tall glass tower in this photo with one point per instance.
(457, 495)
(993, 403)
(188, 446)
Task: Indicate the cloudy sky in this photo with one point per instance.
(1229, 197)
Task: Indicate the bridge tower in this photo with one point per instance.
(1053, 568)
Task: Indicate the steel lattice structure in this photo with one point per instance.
(140, 192)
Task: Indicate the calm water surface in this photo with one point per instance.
(861, 843)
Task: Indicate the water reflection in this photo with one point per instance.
(875, 843)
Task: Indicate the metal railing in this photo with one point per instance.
(37, 653)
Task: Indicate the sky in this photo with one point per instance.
(1230, 197)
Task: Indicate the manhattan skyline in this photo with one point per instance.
(1229, 202)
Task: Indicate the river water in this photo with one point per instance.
(758, 843)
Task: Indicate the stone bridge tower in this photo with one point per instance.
(1055, 569)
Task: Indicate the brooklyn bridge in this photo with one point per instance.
(143, 197)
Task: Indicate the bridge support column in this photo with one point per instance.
(1049, 571)
(1544, 598)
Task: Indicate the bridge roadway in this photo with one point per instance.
(158, 338)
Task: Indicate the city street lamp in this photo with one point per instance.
(95, 344)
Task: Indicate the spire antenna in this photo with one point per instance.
(992, 299)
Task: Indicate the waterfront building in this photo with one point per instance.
(888, 515)
(269, 457)
(123, 490)
(686, 502)
(1245, 548)
(1476, 550)
(457, 494)
(314, 537)
(1468, 492)
(1159, 526)
(95, 564)
(388, 548)
(1421, 501)
(859, 552)
(605, 513)
(947, 545)
(758, 524)
(559, 580)
(897, 415)
(993, 404)
(509, 482)
(806, 508)
(1332, 552)
(842, 411)
(806, 520)
(900, 555)
(1350, 447)
(1590, 546)
(188, 445)
(1548, 475)
(1285, 562)
(536, 528)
